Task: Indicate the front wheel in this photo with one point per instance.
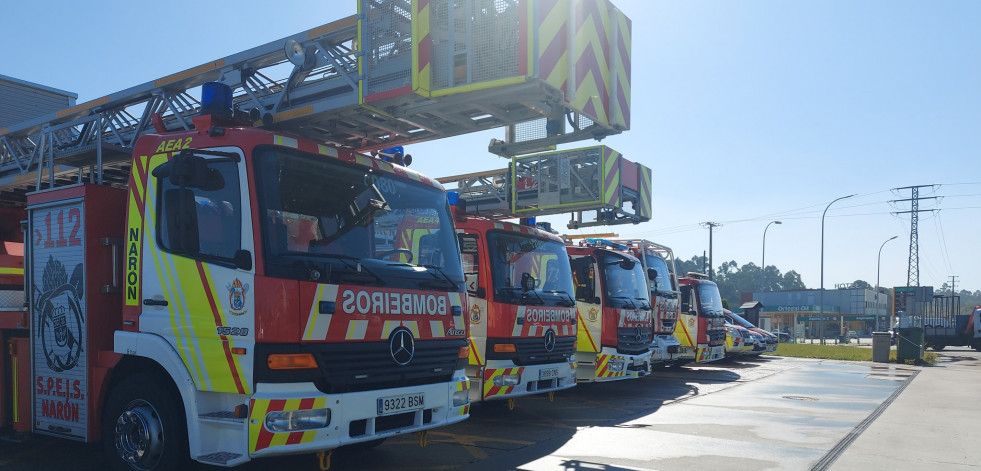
(143, 427)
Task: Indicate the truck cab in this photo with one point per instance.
(615, 313)
(522, 310)
(702, 328)
(665, 294)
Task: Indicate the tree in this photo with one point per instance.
(862, 284)
(734, 280)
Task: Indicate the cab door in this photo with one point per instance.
(197, 265)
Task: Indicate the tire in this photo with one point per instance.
(143, 427)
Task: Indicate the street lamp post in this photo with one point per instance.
(878, 267)
(821, 308)
(763, 263)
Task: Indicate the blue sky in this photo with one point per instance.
(747, 111)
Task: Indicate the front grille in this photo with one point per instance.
(352, 367)
(667, 325)
(368, 366)
(633, 340)
(716, 335)
(531, 351)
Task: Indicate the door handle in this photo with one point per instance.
(154, 302)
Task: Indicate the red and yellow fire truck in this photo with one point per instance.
(238, 292)
(614, 312)
(701, 330)
(663, 284)
(522, 311)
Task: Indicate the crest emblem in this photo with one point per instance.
(236, 297)
(475, 314)
(593, 314)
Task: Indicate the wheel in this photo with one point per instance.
(143, 427)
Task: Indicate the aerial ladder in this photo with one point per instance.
(397, 72)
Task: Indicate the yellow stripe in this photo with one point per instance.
(256, 419)
(164, 274)
(479, 86)
(285, 141)
(474, 357)
(11, 271)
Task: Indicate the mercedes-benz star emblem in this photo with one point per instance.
(549, 340)
(402, 346)
(640, 334)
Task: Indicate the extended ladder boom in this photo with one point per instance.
(597, 179)
(398, 72)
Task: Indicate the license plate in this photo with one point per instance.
(548, 373)
(396, 404)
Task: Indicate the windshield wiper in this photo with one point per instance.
(442, 280)
(643, 303)
(631, 301)
(352, 271)
(566, 299)
(523, 299)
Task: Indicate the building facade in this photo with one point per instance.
(799, 313)
(22, 101)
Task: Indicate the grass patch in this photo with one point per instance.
(837, 352)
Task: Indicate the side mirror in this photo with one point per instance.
(627, 264)
(243, 259)
(652, 275)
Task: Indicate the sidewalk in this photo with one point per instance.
(935, 423)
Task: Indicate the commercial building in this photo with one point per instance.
(799, 313)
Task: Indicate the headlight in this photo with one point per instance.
(616, 365)
(507, 380)
(294, 420)
(461, 397)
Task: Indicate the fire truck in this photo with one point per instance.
(665, 294)
(615, 312)
(522, 310)
(701, 329)
(207, 266)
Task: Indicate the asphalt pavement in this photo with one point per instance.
(759, 413)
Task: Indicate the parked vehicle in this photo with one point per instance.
(614, 313)
(943, 330)
(665, 294)
(701, 329)
(768, 340)
(739, 341)
(522, 310)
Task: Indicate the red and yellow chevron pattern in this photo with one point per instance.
(492, 390)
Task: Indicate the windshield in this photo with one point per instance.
(624, 282)
(323, 219)
(519, 259)
(739, 320)
(709, 300)
(663, 276)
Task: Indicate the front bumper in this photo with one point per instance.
(354, 417)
